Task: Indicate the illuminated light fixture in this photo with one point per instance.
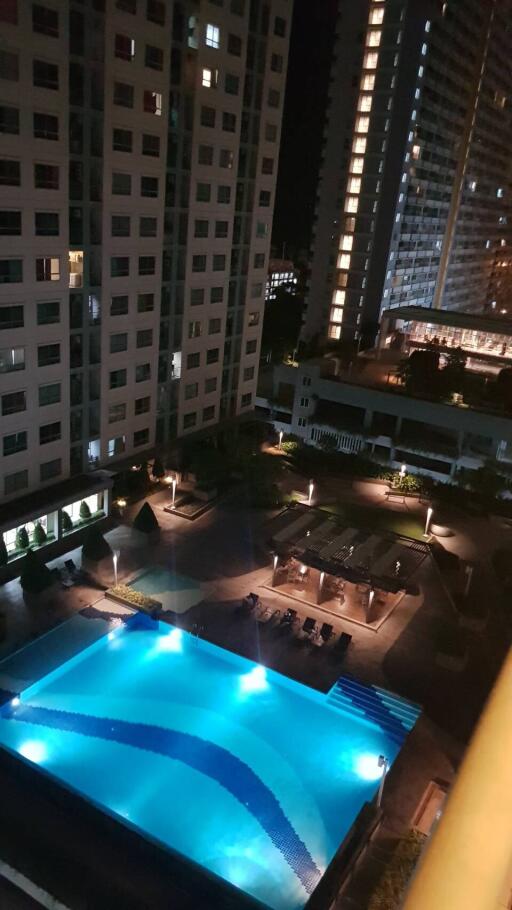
(33, 750)
(311, 488)
(255, 680)
(172, 642)
(15, 702)
(368, 767)
(430, 512)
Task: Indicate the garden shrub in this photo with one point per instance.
(39, 534)
(392, 886)
(95, 546)
(146, 520)
(4, 557)
(22, 541)
(85, 512)
(35, 574)
(67, 523)
(158, 469)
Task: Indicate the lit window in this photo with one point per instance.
(351, 204)
(499, 192)
(212, 36)
(362, 124)
(368, 82)
(359, 145)
(356, 165)
(370, 60)
(334, 331)
(427, 25)
(472, 185)
(338, 298)
(336, 314)
(424, 49)
(354, 185)
(346, 242)
(209, 79)
(153, 103)
(48, 269)
(344, 261)
(365, 103)
(376, 16)
(374, 38)
(416, 151)
(420, 72)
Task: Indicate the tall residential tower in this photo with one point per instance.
(138, 155)
(414, 197)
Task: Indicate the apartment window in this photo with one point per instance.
(231, 84)
(267, 166)
(45, 75)
(149, 187)
(257, 290)
(154, 57)
(264, 199)
(10, 172)
(122, 140)
(224, 194)
(48, 312)
(147, 265)
(9, 66)
(45, 20)
(270, 132)
(9, 120)
(250, 347)
(212, 355)
(120, 225)
(259, 260)
(49, 432)
(280, 27)
(11, 317)
(9, 11)
(248, 374)
(302, 422)
(118, 343)
(117, 379)
(193, 361)
(147, 226)
(235, 45)
(121, 184)
(119, 305)
(194, 329)
(254, 318)
(15, 442)
(128, 6)
(12, 359)
(142, 405)
(210, 385)
(189, 420)
(10, 223)
(276, 63)
(274, 97)
(306, 380)
(214, 326)
(212, 38)
(116, 446)
(155, 11)
(205, 154)
(216, 295)
(11, 271)
(221, 229)
(191, 390)
(48, 268)
(46, 224)
(116, 413)
(209, 412)
(226, 158)
(144, 338)
(246, 400)
(145, 304)
(119, 266)
(124, 47)
(209, 77)
(142, 372)
(196, 296)
(13, 403)
(199, 263)
(123, 94)
(150, 145)
(203, 192)
(228, 122)
(207, 116)
(49, 394)
(200, 228)
(219, 262)
(13, 483)
(46, 177)
(152, 103)
(50, 469)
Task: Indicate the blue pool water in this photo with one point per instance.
(247, 773)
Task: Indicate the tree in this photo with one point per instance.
(67, 523)
(85, 512)
(4, 556)
(487, 482)
(39, 534)
(503, 388)
(35, 574)
(454, 371)
(95, 547)
(146, 520)
(420, 373)
(158, 469)
(22, 541)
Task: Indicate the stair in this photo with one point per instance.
(394, 715)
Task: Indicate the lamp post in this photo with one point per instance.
(371, 595)
(384, 764)
(115, 557)
(310, 493)
(430, 512)
(402, 471)
(281, 439)
(173, 503)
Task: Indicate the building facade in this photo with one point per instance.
(139, 148)
(414, 196)
(281, 274)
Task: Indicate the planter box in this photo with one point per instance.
(150, 606)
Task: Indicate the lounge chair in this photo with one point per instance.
(341, 645)
(267, 615)
(323, 635)
(288, 619)
(70, 566)
(307, 629)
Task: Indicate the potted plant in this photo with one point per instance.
(67, 522)
(146, 521)
(39, 534)
(22, 541)
(85, 512)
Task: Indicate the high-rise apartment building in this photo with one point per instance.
(414, 198)
(138, 157)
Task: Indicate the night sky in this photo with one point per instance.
(303, 121)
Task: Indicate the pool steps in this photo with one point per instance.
(394, 715)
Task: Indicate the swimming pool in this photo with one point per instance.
(253, 776)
